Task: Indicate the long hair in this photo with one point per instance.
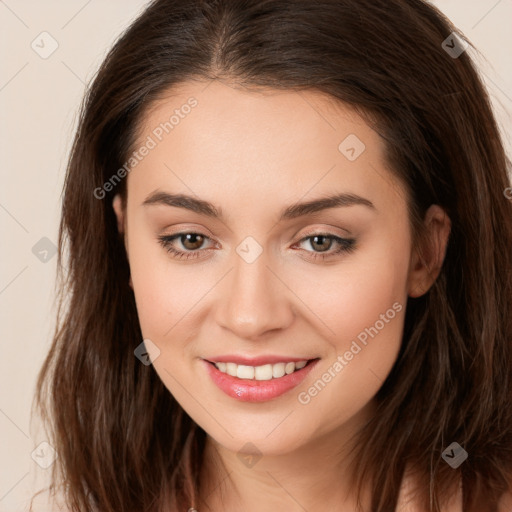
(124, 443)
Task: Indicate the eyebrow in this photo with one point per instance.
(293, 211)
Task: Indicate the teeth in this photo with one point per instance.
(264, 372)
(245, 372)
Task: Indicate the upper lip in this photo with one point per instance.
(256, 361)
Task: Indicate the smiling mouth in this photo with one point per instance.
(263, 372)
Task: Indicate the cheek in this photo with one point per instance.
(165, 296)
(350, 296)
(361, 309)
(164, 291)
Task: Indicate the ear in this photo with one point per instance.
(120, 211)
(117, 204)
(427, 260)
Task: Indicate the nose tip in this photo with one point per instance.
(253, 301)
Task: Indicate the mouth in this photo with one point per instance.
(258, 384)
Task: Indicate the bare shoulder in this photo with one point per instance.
(44, 501)
(505, 503)
(408, 502)
(408, 498)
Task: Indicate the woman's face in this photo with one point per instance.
(266, 271)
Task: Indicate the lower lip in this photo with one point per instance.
(247, 390)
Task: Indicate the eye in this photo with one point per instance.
(191, 241)
(324, 241)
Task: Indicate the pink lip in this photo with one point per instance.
(249, 390)
(256, 361)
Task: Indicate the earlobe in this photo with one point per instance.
(427, 260)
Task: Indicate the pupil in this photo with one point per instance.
(192, 236)
(321, 237)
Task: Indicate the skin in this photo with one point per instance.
(252, 154)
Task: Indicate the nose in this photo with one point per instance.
(254, 300)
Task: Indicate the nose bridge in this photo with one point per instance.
(253, 300)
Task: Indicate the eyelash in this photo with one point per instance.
(346, 245)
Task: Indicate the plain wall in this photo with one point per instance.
(39, 98)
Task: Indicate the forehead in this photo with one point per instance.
(208, 137)
(235, 111)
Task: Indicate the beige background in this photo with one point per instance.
(39, 100)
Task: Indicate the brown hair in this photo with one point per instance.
(124, 443)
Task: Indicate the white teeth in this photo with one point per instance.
(264, 372)
(278, 370)
(231, 369)
(221, 367)
(289, 368)
(245, 372)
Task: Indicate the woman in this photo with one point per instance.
(210, 355)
